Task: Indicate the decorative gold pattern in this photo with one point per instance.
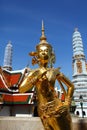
(79, 66)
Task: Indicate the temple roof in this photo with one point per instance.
(9, 83)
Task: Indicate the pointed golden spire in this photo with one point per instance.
(43, 37)
(42, 28)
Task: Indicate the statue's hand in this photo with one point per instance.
(67, 101)
(62, 109)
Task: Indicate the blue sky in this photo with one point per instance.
(20, 22)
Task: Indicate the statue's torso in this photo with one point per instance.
(45, 86)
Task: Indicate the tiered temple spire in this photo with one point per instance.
(79, 70)
(8, 57)
(77, 43)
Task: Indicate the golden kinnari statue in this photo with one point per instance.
(53, 112)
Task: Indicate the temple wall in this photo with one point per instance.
(16, 110)
(34, 123)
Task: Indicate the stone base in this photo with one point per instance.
(34, 123)
(20, 123)
(79, 123)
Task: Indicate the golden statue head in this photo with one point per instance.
(44, 52)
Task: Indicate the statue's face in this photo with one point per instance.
(44, 53)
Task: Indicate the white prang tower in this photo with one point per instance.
(79, 74)
(8, 57)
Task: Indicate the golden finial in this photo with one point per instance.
(43, 37)
(42, 28)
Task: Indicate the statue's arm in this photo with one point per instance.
(63, 80)
(28, 82)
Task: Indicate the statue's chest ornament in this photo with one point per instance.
(48, 75)
(52, 73)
